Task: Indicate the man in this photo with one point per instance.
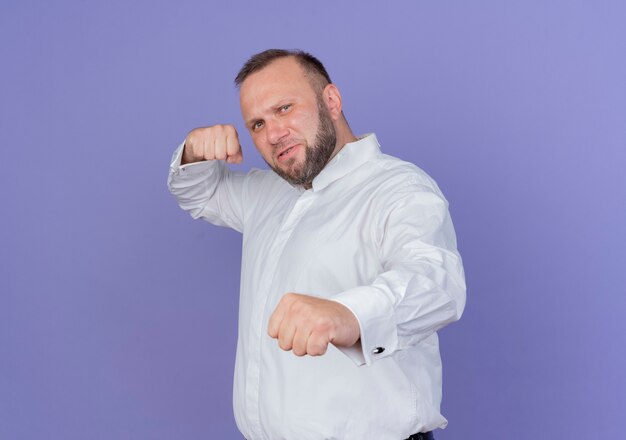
(349, 263)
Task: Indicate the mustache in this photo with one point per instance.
(287, 143)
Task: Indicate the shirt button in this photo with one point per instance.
(378, 350)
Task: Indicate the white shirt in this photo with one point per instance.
(374, 234)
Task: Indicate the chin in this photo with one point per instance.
(292, 164)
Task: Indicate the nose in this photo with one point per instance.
(275, 131)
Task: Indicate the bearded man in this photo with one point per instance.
(349, 263)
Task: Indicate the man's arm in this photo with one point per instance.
(420, 290)
(201, 182)
(422, 286)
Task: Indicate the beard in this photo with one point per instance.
(316, 155)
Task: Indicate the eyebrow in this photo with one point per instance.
(251, 121)
(278, 104)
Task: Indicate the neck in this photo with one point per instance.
(344, 136)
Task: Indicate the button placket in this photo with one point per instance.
(260, 314)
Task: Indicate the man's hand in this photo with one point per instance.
(306, 324)
(219, 142)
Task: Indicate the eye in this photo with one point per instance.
(257, 125)
(284, 108)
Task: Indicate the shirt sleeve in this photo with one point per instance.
(421, 287)
(208, 190)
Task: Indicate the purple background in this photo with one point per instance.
(118, 312)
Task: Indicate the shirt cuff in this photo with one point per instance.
(189, 168)
(375, 313)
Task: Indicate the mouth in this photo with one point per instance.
(287, 152)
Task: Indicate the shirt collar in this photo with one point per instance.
(350, 157)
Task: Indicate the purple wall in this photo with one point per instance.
(118, 312)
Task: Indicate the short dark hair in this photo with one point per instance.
(311, 65)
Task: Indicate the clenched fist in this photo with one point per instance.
(219, 142)
(306, 324)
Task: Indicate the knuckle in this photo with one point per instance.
(296, 306)
(212, 132)
(322, 324)
(201, 133)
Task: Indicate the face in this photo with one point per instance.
(289, 123)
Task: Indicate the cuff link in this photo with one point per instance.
(378, 350)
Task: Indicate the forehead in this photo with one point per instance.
(283, 78)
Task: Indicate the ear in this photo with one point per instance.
(332, 99)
